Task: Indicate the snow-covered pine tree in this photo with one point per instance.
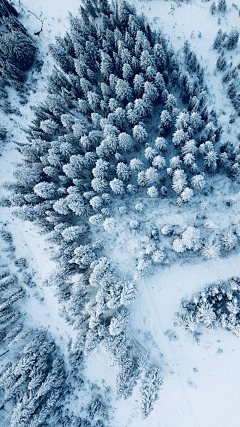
(149, 390)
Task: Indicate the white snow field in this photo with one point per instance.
(201, 384)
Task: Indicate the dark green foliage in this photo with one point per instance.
(232, 39)
(7, 10)
(221, 62)
(222, 7)
(213, 8)
(17, 50)
(218, 39)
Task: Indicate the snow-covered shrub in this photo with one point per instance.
(122, 210)
(140, 134)
(109, 224)
(123, 171)
(210, 224)
(175, 162)
(221, 6)
(198, 182)
(134, 224)
(119, 321)
(211, 248)
(117, 186)
(178, 245)
(229, 241)
(96, 219)
(179, 180)
(139, 207)
(142, 268)
(161, 143)
(237, 229)
(136, 165)
(158, 256)
(186, 194)
(151, 176)
(163, 190)
(159, 162)
(191, 238)
(152, 192)
(166, 230)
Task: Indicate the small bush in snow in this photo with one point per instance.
(161, 143)
(178, 245)
(166, 230)
(179, 181)
(186, 194)
(229, 241)
(134, 224)
(211, 248)
(117, 186)
(96, 219)
(139, 207)
(210, 224)
(191, 238)
(109, 224)
(152, 192)
(198, 182)
(158, 256)
(122, 210)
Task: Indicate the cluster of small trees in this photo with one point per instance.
(151, 254)
(221, 7)
(17, 49)
(205, 240)
(224, 40)
(210, 244)
(231, 74)
(216, 306)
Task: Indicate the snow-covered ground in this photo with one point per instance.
(201, 385)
